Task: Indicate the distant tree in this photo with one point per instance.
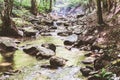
(108, 4)
(50, 7)
(99, 13)
(34, 8)
(8, 26)
(21, 2)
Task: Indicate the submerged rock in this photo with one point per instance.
(57, 61)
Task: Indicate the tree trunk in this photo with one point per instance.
(99, 13)
(34, 8)
(8, 26)
(105, 5)
(50, 7)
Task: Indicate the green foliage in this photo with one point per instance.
(44, 6)
(104, 75)
(24, 3)
(75, 2)
(79, 1)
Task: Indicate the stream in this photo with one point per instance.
(30, 68)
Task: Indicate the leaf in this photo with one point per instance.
(103, 72)
(107, 74)
(97, 75)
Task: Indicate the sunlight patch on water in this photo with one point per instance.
(40, 40)
(74, 58)
(21, 59)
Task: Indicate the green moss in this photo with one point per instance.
(21, 12)
(20, 22)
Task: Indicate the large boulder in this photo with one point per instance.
(29, 31)
(7, 45)
(31, 50)
(39, 52)
(44, 53)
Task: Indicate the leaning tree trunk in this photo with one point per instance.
(99, 12)
(8, 26)
(34, 8)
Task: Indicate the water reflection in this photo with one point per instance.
(7, 61)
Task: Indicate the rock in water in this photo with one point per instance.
(80, 15)
(69, 40)
(7, 45)
(47, 22)
(88, 60)
(49, 46)
(31, 50)
(29, 31)
(57, 61)
(45, 53)
(39, 52)
(64, 33)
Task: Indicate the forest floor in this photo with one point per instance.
(87, 47)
